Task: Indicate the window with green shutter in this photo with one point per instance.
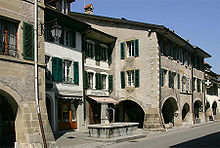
(57, 69)
(98, 81)
(110, 82)
(86, 83)
(137, 79)
(136, 45)
(122, 79)
(122, 50)
(76, 72)
(97, 52)
(28, 41)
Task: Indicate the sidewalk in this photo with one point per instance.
(71, 139)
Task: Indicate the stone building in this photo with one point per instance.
(154, 71)
(212, 83)
(18, 112)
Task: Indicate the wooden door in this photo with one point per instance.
(67, 119)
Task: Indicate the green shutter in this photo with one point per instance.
(98, 81)
(97, 52)
(110, 82)
(28, 41)
(57, 69)
(86, 83)
(122, 50)
(109, 55)
(76, 73)
(136, 45)
(122, 79)
(137, 79)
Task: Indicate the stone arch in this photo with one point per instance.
(185, 112)
(169, 108)
(214, 107)
(130, 111)
(197, 107)
(10, 116)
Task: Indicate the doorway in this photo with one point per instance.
(67, 115)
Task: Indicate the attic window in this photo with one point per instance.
(64, 7)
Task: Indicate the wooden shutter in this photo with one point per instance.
(86, 83)
(97, 52)
(57, 69)
(76, 72)
(122, 50)
(137, 81)
(98, 81)
(28, 41)
(110, 55)
(110, 82)
(136, 45)
(122, 79)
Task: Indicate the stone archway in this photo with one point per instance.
(214, 107)
(169, 109)
(130, 111)
(197, 107)
(8, 115)
(185, 112)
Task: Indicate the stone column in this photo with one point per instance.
(80, 116)
(104, 118)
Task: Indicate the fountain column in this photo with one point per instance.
(104, 118)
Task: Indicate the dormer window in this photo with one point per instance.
(64, 6)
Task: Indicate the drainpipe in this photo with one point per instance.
(36, 73)
(192, 86)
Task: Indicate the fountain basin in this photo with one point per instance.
(112, 130)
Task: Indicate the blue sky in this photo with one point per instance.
(196, 20)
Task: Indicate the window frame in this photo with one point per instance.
(67, 71)
(130, 78)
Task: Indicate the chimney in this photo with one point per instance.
(88, 9)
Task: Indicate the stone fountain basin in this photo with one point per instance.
(112, 130)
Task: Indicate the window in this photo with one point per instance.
(187, 84)
(90, 49)
(193, 83)
(130, 78)
(67, 71)
(198, 85)
(90, 80)
(110, 82)
(67, 37)
(104, 55)
(163, 78)
(171, 79)
(64, 6)
(103, 81)
(178, 81)
(130, 48)
(8, 38)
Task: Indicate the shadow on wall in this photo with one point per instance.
(211, 141)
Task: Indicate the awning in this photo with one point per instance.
(70, 97)
(104, 100)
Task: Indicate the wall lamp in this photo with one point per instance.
(56, 29)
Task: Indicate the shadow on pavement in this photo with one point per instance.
(211, 141)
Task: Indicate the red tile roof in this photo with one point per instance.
(88, 6)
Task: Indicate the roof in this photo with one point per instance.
(88, 6)
(64, 19)
(150, 27)
(48, 1)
